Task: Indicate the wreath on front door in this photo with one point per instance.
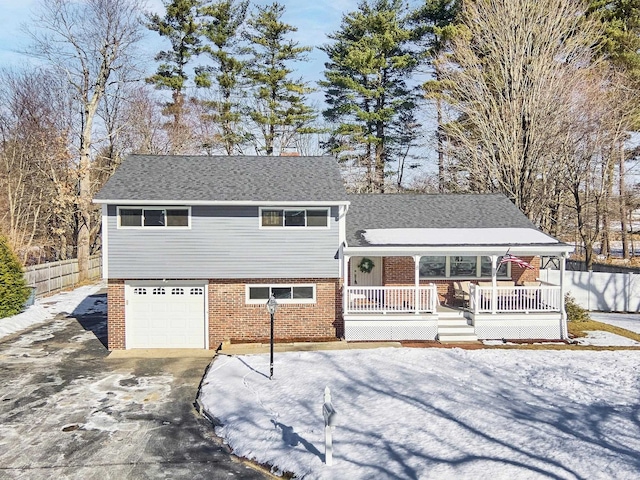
(366, 265)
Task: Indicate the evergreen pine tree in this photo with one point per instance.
(13, 287)
(370, 61)
(221, 22)
(180, 24)
(436, 27)
(279, 108)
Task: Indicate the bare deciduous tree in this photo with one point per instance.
(511, 77)
(86, 42)
(34, 160)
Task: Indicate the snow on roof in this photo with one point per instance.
(457, 236)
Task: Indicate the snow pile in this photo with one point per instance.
(456, 236)
(72, 302)
(606, 339)
(434, 413)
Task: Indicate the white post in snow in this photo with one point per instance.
(330, 415)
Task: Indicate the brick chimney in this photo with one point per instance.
(290, 153)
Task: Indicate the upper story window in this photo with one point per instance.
(153, 217)
(294, 217)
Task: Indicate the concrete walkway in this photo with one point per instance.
(251, 348)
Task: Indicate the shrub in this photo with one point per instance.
(575, 313)
(13, 286)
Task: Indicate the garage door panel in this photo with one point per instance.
(166, 316)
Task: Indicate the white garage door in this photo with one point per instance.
(165, 315)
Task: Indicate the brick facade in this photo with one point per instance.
(231, 319)
(115, 315)
(401, 271)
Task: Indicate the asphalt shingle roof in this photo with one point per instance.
(181, 178)
(380, 211)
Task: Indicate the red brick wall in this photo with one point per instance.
(115, 315)
(231, 318)
(401, 271)
(520, 274)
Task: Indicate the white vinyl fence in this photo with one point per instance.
(600, 291)
(54, 276)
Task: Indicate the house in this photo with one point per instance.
(194, 246)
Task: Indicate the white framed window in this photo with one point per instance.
(294, 293)
(294, 217)
(154, 217)
(461, 266)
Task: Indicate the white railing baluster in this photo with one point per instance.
(388, 299)
(516, 299)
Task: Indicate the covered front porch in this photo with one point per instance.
(414, 297)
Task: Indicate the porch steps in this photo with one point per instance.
(454, 328)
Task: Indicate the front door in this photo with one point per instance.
(366, 271)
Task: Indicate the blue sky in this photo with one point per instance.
(314, 20)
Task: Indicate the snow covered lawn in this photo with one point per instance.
(629, 321)
(434, 413)
(44, 309)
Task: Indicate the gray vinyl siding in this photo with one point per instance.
(223, 242)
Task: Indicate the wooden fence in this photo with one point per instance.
(52, 277)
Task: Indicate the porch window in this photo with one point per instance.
(461, 266)
(258, 294)
(433, 266)
(485, 267)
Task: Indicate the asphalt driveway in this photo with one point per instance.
(68, 411)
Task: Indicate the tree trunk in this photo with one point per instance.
(623, 206)
(605, 248)
(440, 147)
(379, 159)
(83, 239)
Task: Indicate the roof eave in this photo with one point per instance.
(408, 250)
(313, 203)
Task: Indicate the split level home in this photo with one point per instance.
(194, 246)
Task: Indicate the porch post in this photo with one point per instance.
(416, 261)
(494, 283)
(563, 312)
(345, 284)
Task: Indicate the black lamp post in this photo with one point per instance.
(272, 305)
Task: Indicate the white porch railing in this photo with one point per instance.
(545, 298)
(391, 299)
